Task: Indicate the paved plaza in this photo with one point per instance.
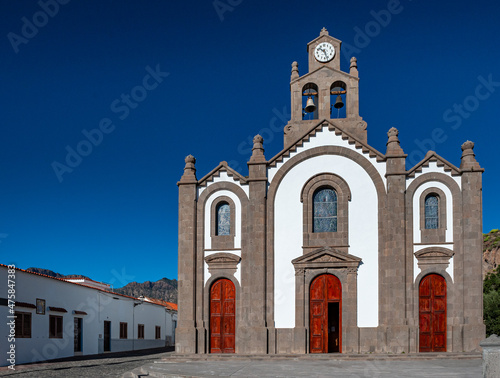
(320, 368)
(112, 365)
(163, 364)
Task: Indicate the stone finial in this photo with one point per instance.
(393, 132)
(393, 147)
(468, 145)
(324, 32)
(189, 169)
(354, 62)
(469, 162)
(295, 70)
(354, 67)
(190, 159)
(258, 150)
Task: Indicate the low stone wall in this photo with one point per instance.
(491, 356)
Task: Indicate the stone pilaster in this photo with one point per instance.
(185, 336)
(393, 259)
(253, 329)
(474, 329)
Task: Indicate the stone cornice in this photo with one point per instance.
(326, 257)
(321, 68)
(441, 162)
(222, 167)
(365, 148)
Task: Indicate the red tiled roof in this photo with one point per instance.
(173, 305)
(169, 305)
(76, 312)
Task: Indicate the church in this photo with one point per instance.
(331, 246)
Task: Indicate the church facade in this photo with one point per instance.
(331, 246)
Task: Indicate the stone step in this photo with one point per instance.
(319, 357)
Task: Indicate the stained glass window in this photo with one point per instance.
(431, 212)
(223, 219)
(325, 210)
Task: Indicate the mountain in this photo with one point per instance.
(51, 273)
(491, 251)
(164, 289)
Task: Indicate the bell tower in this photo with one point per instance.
(324, 92)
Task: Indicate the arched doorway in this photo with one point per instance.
(222, 316)
(325, 314)
(432, 314)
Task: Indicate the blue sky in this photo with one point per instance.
(218, 74)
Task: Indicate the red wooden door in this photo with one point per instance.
(432, 314)
(325, 289)
(222, 316)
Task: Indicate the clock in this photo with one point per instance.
(324, 52)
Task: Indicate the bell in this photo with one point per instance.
(338, 104)
(310, 107)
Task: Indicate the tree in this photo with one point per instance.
(491, 302)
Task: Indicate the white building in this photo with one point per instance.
(56, 319)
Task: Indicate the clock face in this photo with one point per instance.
(324, 52)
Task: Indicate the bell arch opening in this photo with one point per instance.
(338, 99)
(310, 101)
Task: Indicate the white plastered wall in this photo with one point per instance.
(237, 231)
(416, 223)
(99, 306)
(433, 168)
(224, 177)
(325, 137)
(363, 235)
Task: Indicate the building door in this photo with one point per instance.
(432, 314)
(222, 317)
(325, 314)
(107, 336)
(78, 335)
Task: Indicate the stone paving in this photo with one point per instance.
(470, 368)
(163, 364)
(113, 365)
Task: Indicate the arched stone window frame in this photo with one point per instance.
(437, 235)
(338, 239)
(222, 241)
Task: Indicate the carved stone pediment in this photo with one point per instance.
(222, 260)
(433, 256)
(326, 257)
